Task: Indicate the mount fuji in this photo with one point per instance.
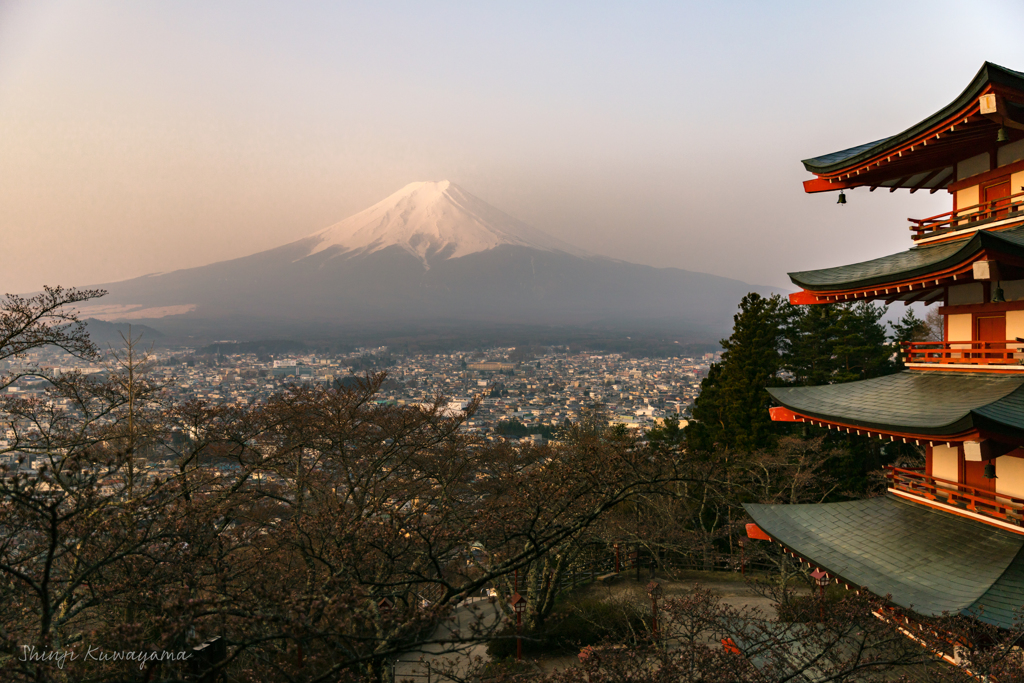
(429, 252)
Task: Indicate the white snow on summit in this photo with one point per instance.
(430, 219)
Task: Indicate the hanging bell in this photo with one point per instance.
(997, 295)
(842, 197)
(990, 470)
(1002, 135)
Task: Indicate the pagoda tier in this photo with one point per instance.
(917, 407)
(925, 273)
(970, 424)
(926, 155)
(926, 561)
(948, 537)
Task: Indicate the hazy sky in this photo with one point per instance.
(138, 137)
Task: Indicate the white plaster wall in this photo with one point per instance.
(1010, 476)
(969, 196)
(945, 464)
(960, 330)
(1015, 327)
(1017, 182)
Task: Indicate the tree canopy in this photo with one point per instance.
(776, 344)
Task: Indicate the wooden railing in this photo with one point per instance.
(999, 506)
(968, 216)
(1009, 352)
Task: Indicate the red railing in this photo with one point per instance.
(1009, 352)
(968, 216)
(999, 506)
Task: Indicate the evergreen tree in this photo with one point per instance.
(830, 344)
(668, 434)
(838, 343)
(732, 409)
(862, 350)
(909, 328)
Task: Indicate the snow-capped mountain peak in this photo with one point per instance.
(432, 220)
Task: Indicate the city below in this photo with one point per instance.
(522, 395)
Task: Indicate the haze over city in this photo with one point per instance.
(149, 137)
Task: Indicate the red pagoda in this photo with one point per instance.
(948, 538)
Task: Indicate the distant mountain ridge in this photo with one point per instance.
(430, 251)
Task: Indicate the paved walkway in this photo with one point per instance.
(473, 617)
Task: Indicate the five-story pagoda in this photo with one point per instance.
(950, 537)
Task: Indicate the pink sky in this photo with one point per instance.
(141, 137)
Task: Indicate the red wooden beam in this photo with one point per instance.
(820, 184)
(783, 414)
(754, 532)
(803, 298)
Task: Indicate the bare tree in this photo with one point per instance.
(45, 319)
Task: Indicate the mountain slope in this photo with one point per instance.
(428, 252)
(432, 220)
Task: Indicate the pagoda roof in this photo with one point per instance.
(923, 155)
(926, 560)
(917, 263)
(932, 405)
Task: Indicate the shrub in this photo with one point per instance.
(805, 609)
(587, 621)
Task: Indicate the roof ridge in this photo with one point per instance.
(989, 72)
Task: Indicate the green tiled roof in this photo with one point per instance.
(915, 262)
(989, 73)
(837, 158)
(929, 403)
(926, 560)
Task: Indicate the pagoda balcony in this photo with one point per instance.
(998, 506)
(976, 356)
(996, 213)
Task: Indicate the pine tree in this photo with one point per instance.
(838, 343)
(862, 350)
(732, 409)
(909, 328)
